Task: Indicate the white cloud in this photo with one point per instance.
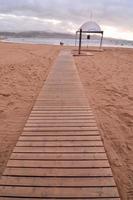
(66, 15)
(115, 32)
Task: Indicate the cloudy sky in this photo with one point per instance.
(114, 16)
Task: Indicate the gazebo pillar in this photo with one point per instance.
(101, 41)
(80, 40)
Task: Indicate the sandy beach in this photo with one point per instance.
(108, 80)
(23, 70)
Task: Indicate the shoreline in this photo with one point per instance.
(73, 48)
(70, 45)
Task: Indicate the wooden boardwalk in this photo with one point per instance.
(60, 154)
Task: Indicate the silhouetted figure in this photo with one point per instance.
(61, 43)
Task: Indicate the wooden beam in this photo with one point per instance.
(80, 40)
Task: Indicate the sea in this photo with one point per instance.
(71, 42)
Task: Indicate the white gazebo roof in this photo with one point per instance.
(90, 26)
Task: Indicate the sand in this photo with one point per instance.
(108, 80)
(23, 70)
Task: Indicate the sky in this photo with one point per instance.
(114, 16)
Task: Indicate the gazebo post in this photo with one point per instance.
(76, 38)
(101, 41)
(80, 40)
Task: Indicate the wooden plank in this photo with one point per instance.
(60, 138)
(60, 121)
(37, 129)
(57, 182)
(57, 192)
(59, 102)
(58, 156)
(61, 118)
(61, 112)
(39, 108)
(62, 172)
(61, 89)
(64, 90)
(64, 111)
(14, 198)
(58, 124)
(62, 107)
(60, 133)
(60, 149)
(60, 144)
(58, 94)
(58, 164)
(65, 101)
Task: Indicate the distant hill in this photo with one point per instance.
(34, 34)
(44, 34)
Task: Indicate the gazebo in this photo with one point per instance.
(89, 27)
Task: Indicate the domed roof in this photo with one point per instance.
(90, 26)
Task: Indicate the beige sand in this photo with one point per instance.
(23, 70)
(107, 77)
(108, 80)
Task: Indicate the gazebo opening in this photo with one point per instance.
(89, 27)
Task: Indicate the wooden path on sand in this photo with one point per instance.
(60, 154)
